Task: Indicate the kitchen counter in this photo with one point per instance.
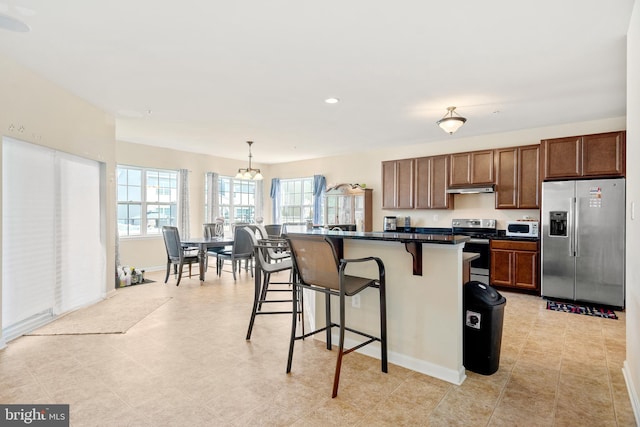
(424, 311)
(413, 241)
(389, 236)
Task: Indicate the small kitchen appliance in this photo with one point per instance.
(522, 228)
(390, 223)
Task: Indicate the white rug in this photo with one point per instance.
(114, 315)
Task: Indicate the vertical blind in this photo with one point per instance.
(53, 252)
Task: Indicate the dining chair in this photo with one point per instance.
(176, 253)
(263, 271)
(242, 250)
(318, 268)
(213, 229)
(275, 247)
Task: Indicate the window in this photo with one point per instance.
(237, 200)
(297, 200)
(147, 200)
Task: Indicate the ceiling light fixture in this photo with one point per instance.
(249, 173)
(450, 123)
(332, 100)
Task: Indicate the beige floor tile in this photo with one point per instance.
(188, 363)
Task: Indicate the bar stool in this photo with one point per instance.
(318, 268)
(262, 276)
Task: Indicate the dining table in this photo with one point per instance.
(204, 244)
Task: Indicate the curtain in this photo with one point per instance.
(183, 204)
(319, 184)
(213, 197)
(275, 199)
(259, 202)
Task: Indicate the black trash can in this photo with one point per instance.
(483, 315)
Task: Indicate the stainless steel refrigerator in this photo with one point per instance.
(583, 234)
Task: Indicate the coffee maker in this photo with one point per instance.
(390, 223)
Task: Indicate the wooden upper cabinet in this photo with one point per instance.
(388, 184)
(423, 183)
(562, 157)
(439, 198)
(507, 178)
(397, 184)
(517, 179)
(603, 154)
(529, 177)
(432, 178)
(472, 168)
(460, 169)
(598, 155)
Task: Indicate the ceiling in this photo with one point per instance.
(206, 76)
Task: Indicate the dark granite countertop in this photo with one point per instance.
(389, 236)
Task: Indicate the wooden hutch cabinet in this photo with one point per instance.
(349, 204)
(598, 155)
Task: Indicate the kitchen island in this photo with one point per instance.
(424, 297)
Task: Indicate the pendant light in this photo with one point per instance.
(450, 123)
(249, 173)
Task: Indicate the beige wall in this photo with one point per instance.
(34, 110)
(632, 366)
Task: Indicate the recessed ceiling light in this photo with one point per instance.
(332, 100)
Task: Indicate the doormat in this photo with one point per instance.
(588, 310)
(114, 315)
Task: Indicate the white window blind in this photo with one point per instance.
(81, 250)
(53, 251)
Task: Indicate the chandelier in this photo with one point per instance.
(249, 173)
(450, 123)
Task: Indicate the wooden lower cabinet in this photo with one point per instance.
(515, 264)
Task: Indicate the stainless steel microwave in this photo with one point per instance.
(523, 228)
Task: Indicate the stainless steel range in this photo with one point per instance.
(480, 231)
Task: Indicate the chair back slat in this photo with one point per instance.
(315, 260)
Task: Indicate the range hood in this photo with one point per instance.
(472, 190)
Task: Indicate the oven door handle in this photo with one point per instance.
(481, 241)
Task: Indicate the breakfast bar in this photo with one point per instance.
(424, 297)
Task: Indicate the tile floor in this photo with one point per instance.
(188, 364)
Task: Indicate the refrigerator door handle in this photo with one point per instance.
(571, 227)
(576, 243)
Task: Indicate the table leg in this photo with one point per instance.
(202, 254)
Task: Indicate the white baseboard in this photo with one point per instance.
(631, 388)
(422, 366)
